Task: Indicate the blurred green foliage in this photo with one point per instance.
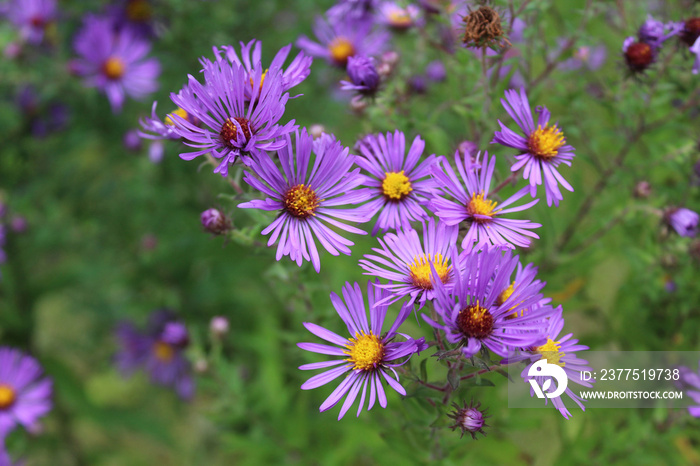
(112, 236)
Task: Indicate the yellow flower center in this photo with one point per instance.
(262, 80)
(114, 68)
(475, 321)
(546, 142)
(505, 294)
(341, 49)
(138, 10)
(179, 112)
(400, 18)
(7, 396)
(301, 201)
(163, 351)
(366, 351)
(396, 186)
(480, 206)
(550, 352)
(421, 273)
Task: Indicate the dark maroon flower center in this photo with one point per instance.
(639, 56)
(229, 132)
(475, 321)
(691, 31)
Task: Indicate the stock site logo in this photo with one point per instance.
(551, 371)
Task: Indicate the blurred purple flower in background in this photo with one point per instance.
(655, 33)
(32, 17)
(368, 356)
(136, 15)
(25, 394)
(159, 351)
(435, 71)
(115, 63)
(398, 17)
(684, 221)
(356, 9)
(585, 56)
(342, 38)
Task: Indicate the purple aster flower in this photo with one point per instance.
(296, 72)
(115, 63)
(307, 200)
(400, 185)
(655, 33)
(159, 351)
(232, 123)
(435, 71)
(134, 14)
(398, 17)
(356, 9)
(638, 55)
(472, 203)
(560, 350)
(469, 419)
(691, 380)
(132, 140)
(25, 394)
(695, 49)
(409, 265)
(342, 38)
(368, 356)
(544, 147)
(156, 151)
(32, 17)
(683, 220)
(470, 311)
(364, 77)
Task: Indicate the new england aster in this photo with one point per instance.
(25, 394)
(543, 147)
(115, 62)
(238, 113)
(368, 355)
(308, 201)
(399, 181)
(474, 315)
(411, 266)
(472, 203)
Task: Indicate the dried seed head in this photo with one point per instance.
(484, 29)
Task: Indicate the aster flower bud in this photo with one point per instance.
(201, 366)
(358, 104)
(468, 148)
(316, 130)
(683, 220)
(651, 31)
(642, 190)
(364, 77)
(391, 57)
(215, 222)
(417, 85)
(469, 419)
(219, 326)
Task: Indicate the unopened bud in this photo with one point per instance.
(642, 190)
(214, 221)
(469, 419)
(201, 366)
(357, 104)
(316, 130)
(219, 326)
